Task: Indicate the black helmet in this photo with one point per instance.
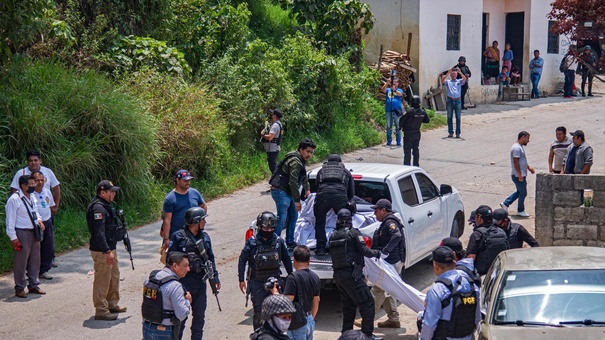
(344, 218)
(266, 219)
(195, 215)
(462, 58)
(276, 304)
(415, 100)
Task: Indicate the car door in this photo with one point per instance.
(414, 219)
(432, 208)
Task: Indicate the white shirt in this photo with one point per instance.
(50, 180)
(44, 201)
(17, 216)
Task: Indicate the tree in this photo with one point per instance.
(571, 17)
(20, 21)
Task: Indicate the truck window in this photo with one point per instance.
(427, 188)
(408, 191)
(366, 192)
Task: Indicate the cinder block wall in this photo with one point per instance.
(560, 220)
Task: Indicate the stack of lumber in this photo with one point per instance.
(392, 60)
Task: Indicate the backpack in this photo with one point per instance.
(493, 241)
(462, 320)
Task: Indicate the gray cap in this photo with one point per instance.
(276, 304)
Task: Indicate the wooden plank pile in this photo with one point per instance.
(400, 62)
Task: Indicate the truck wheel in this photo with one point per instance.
(457, 225)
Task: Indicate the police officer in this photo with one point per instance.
(464, 69)
(105, 233)
(335, 188)
(348, 250)
(263, 254)
(486, 241)
(410, 124)
(464, 265)
(165, 302)
(516, 233)
(276, 314)
(271, 137)
(451, 304)
(195, 242)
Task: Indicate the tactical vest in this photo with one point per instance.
(473, 276)
(342, 249)
(282, 179)
(114, 231)
(266, 260)
(462, 320)
(376, 236)
(333, 172)
(153, 304)
(513, 236)
(277, 139)
(493, 241)
(196, 263)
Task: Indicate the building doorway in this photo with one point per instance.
(515, 36)
(485, 29)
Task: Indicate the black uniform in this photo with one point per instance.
(335, 187)
(195, 280)
(102, 221)
(467, 73)
(585, 71)
(410, 124)
(486, 242)
(348, 250)
(517, 234)
(389, 239)
(263, 256)
(266, 332)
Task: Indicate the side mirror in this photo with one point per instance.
(445, 189)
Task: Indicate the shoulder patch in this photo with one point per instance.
(360, 238)
(98, 216)
(392, 226)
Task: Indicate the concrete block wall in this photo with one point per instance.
(560, 219)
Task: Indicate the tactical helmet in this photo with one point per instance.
(276, 304)
(266, 219)
(344, 218)
(415, 100)
(195, 215)
(462, 58)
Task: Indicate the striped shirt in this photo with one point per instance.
(560, 150)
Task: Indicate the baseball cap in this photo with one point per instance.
(106, 185)
(277, 112)
(383, 203)
(471, 217)
(484, 211)
(183, 174)
(500, 214)
(578, 133)
(443, 255)
(452, 243)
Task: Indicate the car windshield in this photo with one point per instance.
(551, 296)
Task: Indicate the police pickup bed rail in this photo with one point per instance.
(429, 212)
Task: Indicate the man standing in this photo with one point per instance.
(335, 188)
(348, 250)
(516, 233)
(535, 68)
(34, 163)
(579, 155)
(466, 71)
(195, 242)
(567, 66)
(21, 216)
(45, 202)
(486, 241)
(162, 317)
(390, 241)
(272, 137)
(303, 286)
(519, 170)
(177, 202)
(452, 303)
(393, 107)
(263, 254)
(285, 183)
(558, 151)
(410, 124)
(454, 98)
(102, 223)
(587, 59)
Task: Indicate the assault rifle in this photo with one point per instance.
(265, 130)
(210, 274)
(127, 243)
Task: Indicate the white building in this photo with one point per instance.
(443, 30)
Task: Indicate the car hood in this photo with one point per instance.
(550, 333)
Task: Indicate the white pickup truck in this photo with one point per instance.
(429, 211)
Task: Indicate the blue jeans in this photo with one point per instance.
(570, 76)
(151, 332)
(393, 120)
(305, 332)
(452, 105)
(286, 214)
(521, 193)
(535, 79)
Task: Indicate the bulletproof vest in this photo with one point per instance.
(513, 236)
(153, 304)
(493, 241)
(462, 321)
(473, 276)
(380, 241)
(277, 139)
(266, 260)
(413, 123)
(342, 249)
(114, 231)
(282, 179)
(196, 263)
(333, 172)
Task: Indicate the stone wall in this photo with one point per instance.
(560, 219)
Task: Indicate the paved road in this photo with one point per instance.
(478, 165)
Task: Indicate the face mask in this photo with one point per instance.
(30, 190)
(267, 233)
(281, 324)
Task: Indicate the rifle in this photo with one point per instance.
(210, 274)
(248, 286)
(126, 240)
(265, 130)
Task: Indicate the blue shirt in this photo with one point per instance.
(393, 102)
(178, 204)
(454, 87)
(433, 311)
(538, 62)
(508, 55)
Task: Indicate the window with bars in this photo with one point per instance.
(553, 40)
(453, 32)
